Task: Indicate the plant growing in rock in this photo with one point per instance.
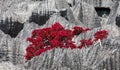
(57, 36)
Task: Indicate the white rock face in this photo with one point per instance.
(27, 15)
(9, 66)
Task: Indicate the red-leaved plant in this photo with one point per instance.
(100, 35)
(57, 36)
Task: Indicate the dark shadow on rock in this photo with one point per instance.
(11, 28)
(4, 53)
(39, 19)
(102, 10)
(118, 21)
(63, 13)
(70, 4)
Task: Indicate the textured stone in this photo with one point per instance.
(20, 17)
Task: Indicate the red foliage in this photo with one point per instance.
(100, 35)
(86, 42)
(30, 50)
(80, 46)
(28, 56)
(57, 26)
(86, 29)
(77, 30)
(56, 43)
(57, 37)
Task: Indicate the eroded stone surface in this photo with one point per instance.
(102, 55)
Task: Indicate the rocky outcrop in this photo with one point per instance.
(20, 17)
(10, 66)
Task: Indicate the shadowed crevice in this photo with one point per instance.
(118, 21)
(102, 11)
(39, 19)
(11, 28)
(63, 13)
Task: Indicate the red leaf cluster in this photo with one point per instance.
(57, 37)
(78, 29)
(100, 35)
(86, 42)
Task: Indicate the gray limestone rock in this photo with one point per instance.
(20, 17)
